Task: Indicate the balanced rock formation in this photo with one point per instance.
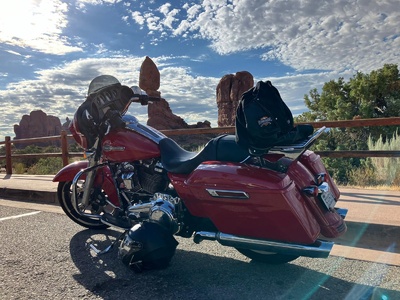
(160, 115)
(149, 77)
(229, 91)
(38, 124)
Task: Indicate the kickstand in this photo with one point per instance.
(109, 247)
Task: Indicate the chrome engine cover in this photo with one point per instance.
(161, 210)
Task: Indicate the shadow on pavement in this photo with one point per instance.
(371, 236)
(369, 198)
(195, 275)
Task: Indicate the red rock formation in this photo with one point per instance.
(160, 115)
(229, 91)
(149, 77)
(38, 124)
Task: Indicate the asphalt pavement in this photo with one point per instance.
(373, 218)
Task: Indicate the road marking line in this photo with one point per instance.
(19, 216)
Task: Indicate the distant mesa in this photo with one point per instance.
(38, 124)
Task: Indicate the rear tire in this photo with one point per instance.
(64, 193)
(267, 257)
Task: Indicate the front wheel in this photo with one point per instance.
(64, 193)
(267, 257)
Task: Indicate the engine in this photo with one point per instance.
(144, 185)
(147, 176)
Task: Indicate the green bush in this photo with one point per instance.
(19, 168)
(46, 166)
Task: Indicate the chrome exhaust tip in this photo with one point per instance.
(319, 249)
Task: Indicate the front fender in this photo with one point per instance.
(69, 171)
(103, 178)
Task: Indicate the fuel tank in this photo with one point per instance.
(125, 145)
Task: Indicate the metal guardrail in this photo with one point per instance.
(65, 155)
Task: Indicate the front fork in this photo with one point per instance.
(93, 164)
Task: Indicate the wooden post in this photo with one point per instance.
(8, 155)
(64, 148)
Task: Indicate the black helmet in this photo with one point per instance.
(147, 246)
(107, 93)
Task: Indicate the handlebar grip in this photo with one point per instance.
(145, 99)
(154, 99)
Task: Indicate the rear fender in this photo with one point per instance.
(103, 178)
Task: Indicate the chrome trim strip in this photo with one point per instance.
(228, 194)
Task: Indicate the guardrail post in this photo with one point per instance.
(64, 148)
(8, 155)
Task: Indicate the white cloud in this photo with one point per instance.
(35, 24)
(137, 17)
(309, 34)
(96, 2)
(164, 9)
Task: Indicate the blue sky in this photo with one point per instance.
(51, 49)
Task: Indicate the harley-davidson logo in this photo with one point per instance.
(108, 148)
(264, 121)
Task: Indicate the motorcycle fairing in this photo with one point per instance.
(103, 178)
(216, 190)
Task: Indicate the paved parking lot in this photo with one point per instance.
(43, 255)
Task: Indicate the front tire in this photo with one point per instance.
(267, 257)
(64, 193)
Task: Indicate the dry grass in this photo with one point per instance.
(377, 187)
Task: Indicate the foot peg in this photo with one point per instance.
(108, 248)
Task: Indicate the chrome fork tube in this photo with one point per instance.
(93, 159)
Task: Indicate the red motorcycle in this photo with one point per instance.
(272, 208)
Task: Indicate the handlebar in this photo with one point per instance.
(144, 99)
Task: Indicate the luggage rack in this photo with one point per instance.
(291, 151)
(295, 150)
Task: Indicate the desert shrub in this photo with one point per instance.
(363, 176)
(387, 169)
(46, 166)
(19, 168)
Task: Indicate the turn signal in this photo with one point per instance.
(311, 190)
(319, 179)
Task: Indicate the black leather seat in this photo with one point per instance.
(222, 148)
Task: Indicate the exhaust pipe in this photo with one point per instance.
(320, 249)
